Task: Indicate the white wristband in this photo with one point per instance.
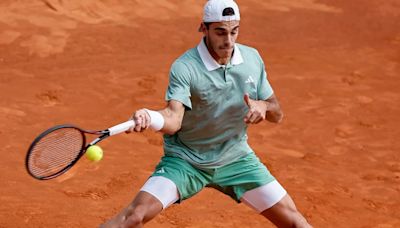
(156, 120)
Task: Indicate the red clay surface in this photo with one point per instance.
(334, 66)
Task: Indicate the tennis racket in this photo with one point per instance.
(57, 149)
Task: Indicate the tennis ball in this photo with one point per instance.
(94, 153)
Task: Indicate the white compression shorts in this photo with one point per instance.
(163, 189)
(259, 199)
(264, 197)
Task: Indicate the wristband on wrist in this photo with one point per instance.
(156, 120)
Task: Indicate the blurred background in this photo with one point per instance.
(334, 66)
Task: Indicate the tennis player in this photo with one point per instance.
(215, 91)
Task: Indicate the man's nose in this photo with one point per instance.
(228, 41)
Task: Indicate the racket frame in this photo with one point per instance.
(122, 127)
(103, 134)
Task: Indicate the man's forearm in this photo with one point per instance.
(172, 122)
(274, 113)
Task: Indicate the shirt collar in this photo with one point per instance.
(210, 62)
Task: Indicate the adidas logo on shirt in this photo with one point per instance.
(249, 80)
(160, 170)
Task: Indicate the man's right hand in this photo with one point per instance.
(142, 121)
(168, 120)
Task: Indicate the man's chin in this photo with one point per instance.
(225, 54)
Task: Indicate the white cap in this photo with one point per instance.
(221, 10)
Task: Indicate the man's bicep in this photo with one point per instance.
(176, 109)
(176, 106)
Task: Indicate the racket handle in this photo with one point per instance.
(122, 127)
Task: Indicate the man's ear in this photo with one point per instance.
(202, 28)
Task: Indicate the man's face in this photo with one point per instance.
(221, 37)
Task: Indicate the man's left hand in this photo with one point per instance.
(257, 110)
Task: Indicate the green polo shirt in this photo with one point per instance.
(213, 132)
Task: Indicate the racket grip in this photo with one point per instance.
(122, 127)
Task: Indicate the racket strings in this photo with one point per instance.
(55, 151)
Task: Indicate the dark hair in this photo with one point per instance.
(207, 24)
(228, 12)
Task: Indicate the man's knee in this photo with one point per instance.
(285, 214)
(287, 217)
(134, 218)
(302, 222)
(298, 220)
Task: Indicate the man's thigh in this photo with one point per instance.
(175, 174)
(241, 176)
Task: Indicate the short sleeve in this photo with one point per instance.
(264, 90)
(179, 84)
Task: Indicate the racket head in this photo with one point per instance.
(55, 151)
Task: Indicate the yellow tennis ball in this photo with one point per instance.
(94, 153)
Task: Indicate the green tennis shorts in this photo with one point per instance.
(233, 179)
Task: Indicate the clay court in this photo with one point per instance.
(334, 65)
